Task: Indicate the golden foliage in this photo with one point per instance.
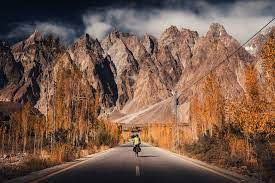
(268, 56)
(158, 134)
(207, 110)
(253, 113)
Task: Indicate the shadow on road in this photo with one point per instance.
(148, 156)
(130, 145)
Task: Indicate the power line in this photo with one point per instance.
(227, 58)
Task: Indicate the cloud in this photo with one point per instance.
(95, 26)
(240, 19)
(64, 32)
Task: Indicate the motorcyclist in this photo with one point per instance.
(137, 143)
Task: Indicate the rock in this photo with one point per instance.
(99, 70)
(36, 54)
(11, 73)
(150, 43)
(180, 44)
(127, 68)
(216, 31)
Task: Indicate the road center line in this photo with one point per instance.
(137, 171)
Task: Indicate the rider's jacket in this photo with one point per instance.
(136, 141)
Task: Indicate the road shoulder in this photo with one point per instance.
(214, 169)
(40, 175)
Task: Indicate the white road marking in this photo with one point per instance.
(137, 171)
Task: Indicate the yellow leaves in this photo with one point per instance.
(251, 83)
(268, 64)
(253, 113)
(158, 134)
(206, 111)
(268, 50)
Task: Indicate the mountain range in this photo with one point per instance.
(133, 79)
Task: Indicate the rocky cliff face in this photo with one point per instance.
(36, 54)
(10, 73)
(99, 70)
(182, 58)
(210, 51)
(132, 78)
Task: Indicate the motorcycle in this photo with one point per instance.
(136, 149)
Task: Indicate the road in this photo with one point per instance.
(120, 165)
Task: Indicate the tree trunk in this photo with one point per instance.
(30, 140)
(24, 142)
(12, 143)
(54, 114)
(47, 104)
(41, 142)
(16, 140)
(9, 140)
(51, 143)
(3, 140)
(34, 145)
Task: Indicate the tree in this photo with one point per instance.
(253, 113)
(268, 64)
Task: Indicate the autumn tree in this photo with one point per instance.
(206, 107)
(253, 113)
(268, 64)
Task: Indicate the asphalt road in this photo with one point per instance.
(153, 165)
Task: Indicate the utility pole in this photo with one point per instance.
(176, 126)
(54, 116)
(176, 118)
(88, 120)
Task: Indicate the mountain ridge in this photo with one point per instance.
(132, 73)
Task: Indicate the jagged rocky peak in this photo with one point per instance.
(131, 42)
(111, 38)
(37, 54)
(173, 33)
(216, 31)
(169, 35)
(88, 56)
(33, 39)
(86, 52)
(180, 43)
(88, 43)
(36, 36)
(37, 48)
(172, 29)
(173, 37)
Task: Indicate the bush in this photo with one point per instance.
(35, 164)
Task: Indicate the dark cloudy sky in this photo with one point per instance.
(70, 19)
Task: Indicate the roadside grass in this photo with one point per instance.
(60, 154)
(29, 165)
